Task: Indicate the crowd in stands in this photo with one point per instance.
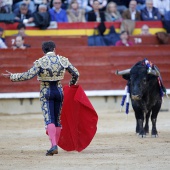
(85, 10)
(43, 12)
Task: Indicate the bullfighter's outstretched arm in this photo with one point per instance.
(32, 72)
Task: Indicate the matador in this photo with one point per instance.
(50, 70)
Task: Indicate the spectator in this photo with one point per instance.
(57, 13)
(5, 6)
(162, 5)
(42, 17)
(96, 14)
(124, 40)
(150, 13)
(19, 43)
(75, 14)
(83, 4)
(112, 14)
(21, 29)
(121, 4)
(132, 13)
(30, 3)
(23, 14)
(145, 30)
(102, 3)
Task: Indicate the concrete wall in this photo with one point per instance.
(100, 103)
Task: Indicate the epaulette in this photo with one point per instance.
(63, 61)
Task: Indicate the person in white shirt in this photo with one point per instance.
(150, 13)
(74, 13)
(132, 13)
(162, 5)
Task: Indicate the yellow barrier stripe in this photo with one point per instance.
(137, 31)
(67, 32)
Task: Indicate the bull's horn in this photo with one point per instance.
(157, 70)
(122, 72)
(154, 72)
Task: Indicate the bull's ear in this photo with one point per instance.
(126, 76)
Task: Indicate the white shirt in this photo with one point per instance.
(133, 13)
(163, 6)
(150, 13)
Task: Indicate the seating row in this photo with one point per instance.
(36, 42)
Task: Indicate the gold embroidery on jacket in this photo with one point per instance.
(49, 68)
(53, 64)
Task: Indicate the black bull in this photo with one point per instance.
(145, 96)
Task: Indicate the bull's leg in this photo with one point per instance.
(139, 119)
(146, 128)
(142, 132)
(137, 126)
(155, 111)
(154, 130)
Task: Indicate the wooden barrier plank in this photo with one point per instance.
(86, 25)
(145, 39)
(36, 41)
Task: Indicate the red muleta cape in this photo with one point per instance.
(78, 119)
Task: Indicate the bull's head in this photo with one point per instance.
(138, 78)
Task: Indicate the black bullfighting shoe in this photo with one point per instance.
(52, 151)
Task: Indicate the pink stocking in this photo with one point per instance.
(57, 134)
(51, 129)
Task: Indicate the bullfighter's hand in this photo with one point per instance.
(7, 75)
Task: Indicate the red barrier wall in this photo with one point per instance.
(87, 25)
(96, 65)
(80, 40)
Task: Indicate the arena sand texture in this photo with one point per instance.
(23, 144)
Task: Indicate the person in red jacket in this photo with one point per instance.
(124, 39)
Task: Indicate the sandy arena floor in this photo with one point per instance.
(23, 144)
